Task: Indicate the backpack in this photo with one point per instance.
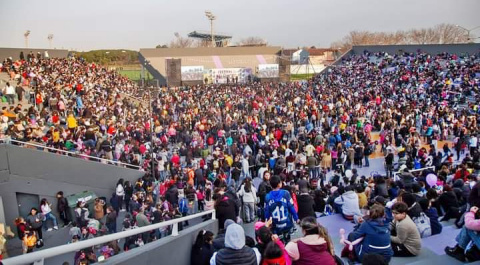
(423, 225)
(183, 206)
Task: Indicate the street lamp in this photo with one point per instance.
(468, 31)
(26, 34)
(50, 39)
(211, 17)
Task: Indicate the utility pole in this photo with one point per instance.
(211, 17)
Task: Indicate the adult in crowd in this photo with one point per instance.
(468, 234)
(235, 251)
(248, 193)
(315, 247)
(202, 250)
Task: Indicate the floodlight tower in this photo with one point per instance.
(50, 39)
(468, 31)
(211, 17)
(26, 34)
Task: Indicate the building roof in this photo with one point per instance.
(319, 51)
(209, 51)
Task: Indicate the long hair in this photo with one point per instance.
(120, 182)
(203, 237)
(311, 227)
(208, 194)
(248, 185)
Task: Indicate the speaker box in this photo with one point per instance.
(284, 69)
(174, 72)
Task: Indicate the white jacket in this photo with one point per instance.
(248, 196)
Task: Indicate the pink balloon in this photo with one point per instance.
(431, 179)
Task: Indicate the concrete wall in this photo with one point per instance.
(44, 174)
(171, 250)
(429, 48)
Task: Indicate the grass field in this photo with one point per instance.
(135, 75)
(297, 77)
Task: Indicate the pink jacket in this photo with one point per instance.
(472, 223)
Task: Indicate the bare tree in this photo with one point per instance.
(440, 34)
(252, 41)
(181, 42)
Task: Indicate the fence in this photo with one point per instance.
(67, 153)
(38, 257)
(396, 177)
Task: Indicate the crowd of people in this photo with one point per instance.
(283, 153)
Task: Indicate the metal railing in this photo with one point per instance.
(38, 257)
(69, 153)
(396, 177)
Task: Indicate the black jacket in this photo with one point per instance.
(62, 204)
(244, 256)
(201, 256)
(225, 209)
(305, 206)
(263, 189)
(171, 195)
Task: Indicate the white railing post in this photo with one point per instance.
(39, 262)
(175, 229)
(38, 257)
(214, 215)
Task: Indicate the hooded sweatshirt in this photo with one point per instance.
(376, 239)
(235, 251)
(349, 202)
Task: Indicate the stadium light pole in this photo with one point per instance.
(468, 31)
(26, 34)
(211, 17)
(50, 39)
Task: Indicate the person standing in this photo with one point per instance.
(279, 206)
(111, 220)
(10, 93)
(62, 208)
(19, 90)
(249, 195)
(120, 194)
(263, 189)
(34, 221)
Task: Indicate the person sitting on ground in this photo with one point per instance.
(432, 214)
(306, 204)
(349, 204)
(406, 241)
(375, 233)
(235, 251)
(468, 234)
(315, 247)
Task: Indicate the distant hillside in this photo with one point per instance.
(110, 57)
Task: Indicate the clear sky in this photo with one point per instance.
(107, 24)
